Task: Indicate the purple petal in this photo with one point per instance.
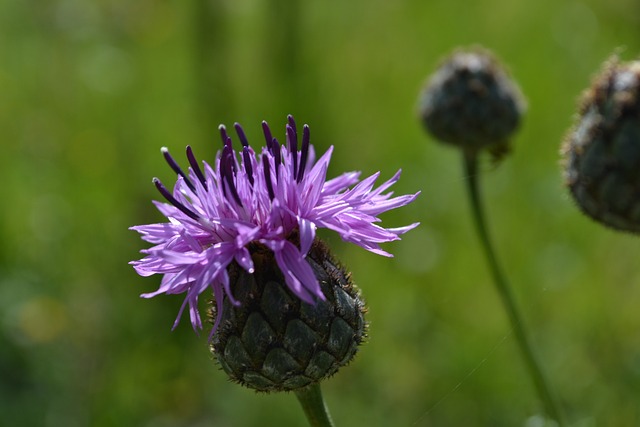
(194, 245)
(388, 183)
(340, 183)
(179, 316)
(364, 186)
(217, 292)
(402, 230)
(298, 273)
(155, 233)
(331, 209)
(178, 258)
(224, 279)
(243, 258)
(386, 205)
(194, 314)
(316, 173)
(312, 189)
(307, 235)
(171, 281)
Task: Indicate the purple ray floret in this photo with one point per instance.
(215, 212)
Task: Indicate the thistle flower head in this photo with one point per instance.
(275, 198)
(602, 151)
(470, 102)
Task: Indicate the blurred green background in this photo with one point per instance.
(90, 91)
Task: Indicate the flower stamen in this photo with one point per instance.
(267, 134)
(275, 150)
(292, 142)
(292, 123)
(167, 195)
(304, 152)
(241, 135)
(177, 169)
(227, 172)
(227, 144)
(196, 168)
(267, 175)
(223, 134)
(246, 156)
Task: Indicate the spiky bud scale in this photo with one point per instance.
(273, 341)
(602, 151)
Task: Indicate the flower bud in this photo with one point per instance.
(272, 340)
(602, 150)
(470, 102)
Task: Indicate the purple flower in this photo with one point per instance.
(214, 213)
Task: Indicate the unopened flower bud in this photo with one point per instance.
(602, 151)
(470, 102)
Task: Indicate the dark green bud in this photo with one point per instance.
(602, 151)
(273, 341)
(470, 102)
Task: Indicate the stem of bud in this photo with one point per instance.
(551, 405)
(314, 407)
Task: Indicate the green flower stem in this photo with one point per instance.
(314, 407)
(544, 391)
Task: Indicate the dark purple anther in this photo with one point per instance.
(223, 169)
(229, 147)
(292, 123)
(172, 163)
(196, 168)
(227, 163)
(267, 134)
(305, 152)
(241, 135)
(246, 156)
(267, 175)
(223, 134)
(163, 190)
(275, 146)
(292, 139)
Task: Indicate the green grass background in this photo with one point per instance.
(90, 91)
